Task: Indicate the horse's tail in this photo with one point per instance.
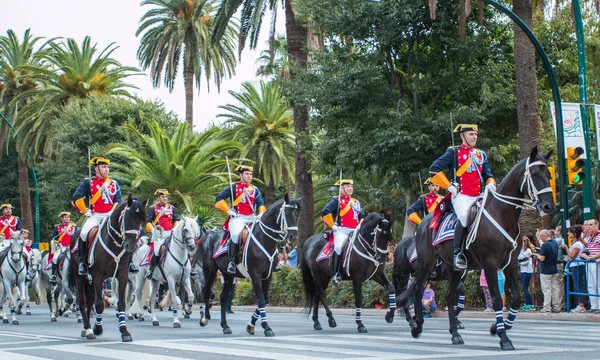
(309, 287)
(69, 282)
(409, 293)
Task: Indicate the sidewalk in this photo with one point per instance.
(467, 314)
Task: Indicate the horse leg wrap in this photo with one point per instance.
(461, 302)
(512, 315)
(358, 310)
(98, 319)
(256, 314)
(175, 312)
(392, 298)
(499, 320)
(122, 318)
(263, 315)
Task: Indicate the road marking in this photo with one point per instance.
(16, 356)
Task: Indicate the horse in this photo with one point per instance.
(110, 254)
(13, 273)
(34, 272)
(175, 269)
(132, 300)
(406, 264)
(491, 242)
(259, 259)
(365, 257)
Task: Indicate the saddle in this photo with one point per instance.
(445, 222)
(162, 252)
(327, 250)
(224, 246)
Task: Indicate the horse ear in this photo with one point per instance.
(129, 200)
(534, 153)
(286, 198)
(549, 154)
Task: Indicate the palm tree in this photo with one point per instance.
(274, 60)
(177, 31)
(263, 124)
(14, 81)
(189, 166)
(69, 71)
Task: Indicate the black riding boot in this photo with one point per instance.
(133, 269)
(232, 251)
(81, 252)
(460, 262)
(335, 268)
(53, 277)
(153, 263)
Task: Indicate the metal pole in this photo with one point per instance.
(588, 193)
(562, 169)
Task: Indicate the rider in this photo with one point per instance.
(470, 168)
(8, 224)
(247, 202)
(104, 195)
(425, 204)
(347, 213)
(62, 233)
(162, 218)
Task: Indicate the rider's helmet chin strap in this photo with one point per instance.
(464, 139)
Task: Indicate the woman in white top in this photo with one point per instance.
(576, 269)
(526, 265)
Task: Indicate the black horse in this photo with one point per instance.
(113, 251)
(367, 256)
(527, 185)
(406, 264)
(277, 224)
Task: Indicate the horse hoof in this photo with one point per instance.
(98, 330)
(90, 336)
(5, 321)
(140, 318)
(65, 315)
(459, 325)
(318, 326)
(493, 329)
(28, 313)
(362, 329)
(126, 338)
(250, 329)
(203, 322)
(269, 333)
(507, 345)
(53, 319)
(227, 331)
(332, 323)
(186, 316)
(155, 323)
(130, 317)
(457, 340)
(412, 323)
(79, 321)
(15, 322)
(82, 333)
(146, 308)
(176, 325)
(389, 317)
(415, 332)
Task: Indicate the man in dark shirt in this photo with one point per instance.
(549, 276)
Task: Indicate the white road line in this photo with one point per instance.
(16, 356)
(110, 353)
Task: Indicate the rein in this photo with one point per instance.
(371, 250)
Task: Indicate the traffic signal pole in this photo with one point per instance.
(588, 193)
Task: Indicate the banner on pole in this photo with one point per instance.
(597, 119)
(572, 125)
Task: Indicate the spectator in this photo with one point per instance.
(548, 271)
(489, 307)
(593, 254)
(560, 264)
(290, 255)
(576, 269)
(501, 281)
(526, 265)
(428, 301)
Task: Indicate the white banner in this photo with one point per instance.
(572, 125)
(597, 118)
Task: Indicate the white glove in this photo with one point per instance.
(334, 228)
(491, 187)
(232, 212)
(453, 189)
(87, 213)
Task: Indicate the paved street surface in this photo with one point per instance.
(37, 338)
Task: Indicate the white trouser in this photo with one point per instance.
(592, 283)
(164, 235)
(339, 237)
(57, 253)
(94, 220)
(462, 203)
(236, 225)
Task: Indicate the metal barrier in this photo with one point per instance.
(582, 280)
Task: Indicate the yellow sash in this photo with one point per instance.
(70, 227)
(434, 205)
(239, 199)
(98, 194)
(7, 225)
(464, 167)
(158, 217)
(347, 208)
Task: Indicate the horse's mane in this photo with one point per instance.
(277, 205)
(518, 169)
(371, 220)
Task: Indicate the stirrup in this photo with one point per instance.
(83, 269)
(336, 279)
(52, 280)
(460, 262)
(133, 269)
(231, 268)
(149, 273)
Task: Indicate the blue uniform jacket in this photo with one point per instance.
(449, 161)
(418, 207)
(84, 190)
(333, 208)
(226, 195)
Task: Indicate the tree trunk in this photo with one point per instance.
(530, 126)
(25, 197)
(409, 227)
(2, 138)
(296, 38)
(189, 95)
(269, 193)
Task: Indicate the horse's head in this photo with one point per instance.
(536, 182)
(35, 260)
(17, 243)
(130, 217)
(377, 231)
(289, 217)
(190, 232)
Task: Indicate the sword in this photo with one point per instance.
(339, 199)
(453, 146)
(230, 182)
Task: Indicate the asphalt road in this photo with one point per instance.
(37, 338)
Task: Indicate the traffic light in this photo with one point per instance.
(552, 182)
(575, 165)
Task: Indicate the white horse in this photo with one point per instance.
(175, 269)
(34, 265)
(132, 299)
(13, 273)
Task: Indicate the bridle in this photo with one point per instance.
(121, 233)
(282, 233)
(371, 249)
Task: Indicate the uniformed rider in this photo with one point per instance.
(161, 220)
(247, 201)
(425, 204)
(104, 195)
(63, 233)
(343, 214)
(8, 224)
(470, 168)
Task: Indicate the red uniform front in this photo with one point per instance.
(349, 211)
(65, 233)
(246, 203)
(165, 214)
(431, 201)
(470, 163)
(8, 224)
(105, 203)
